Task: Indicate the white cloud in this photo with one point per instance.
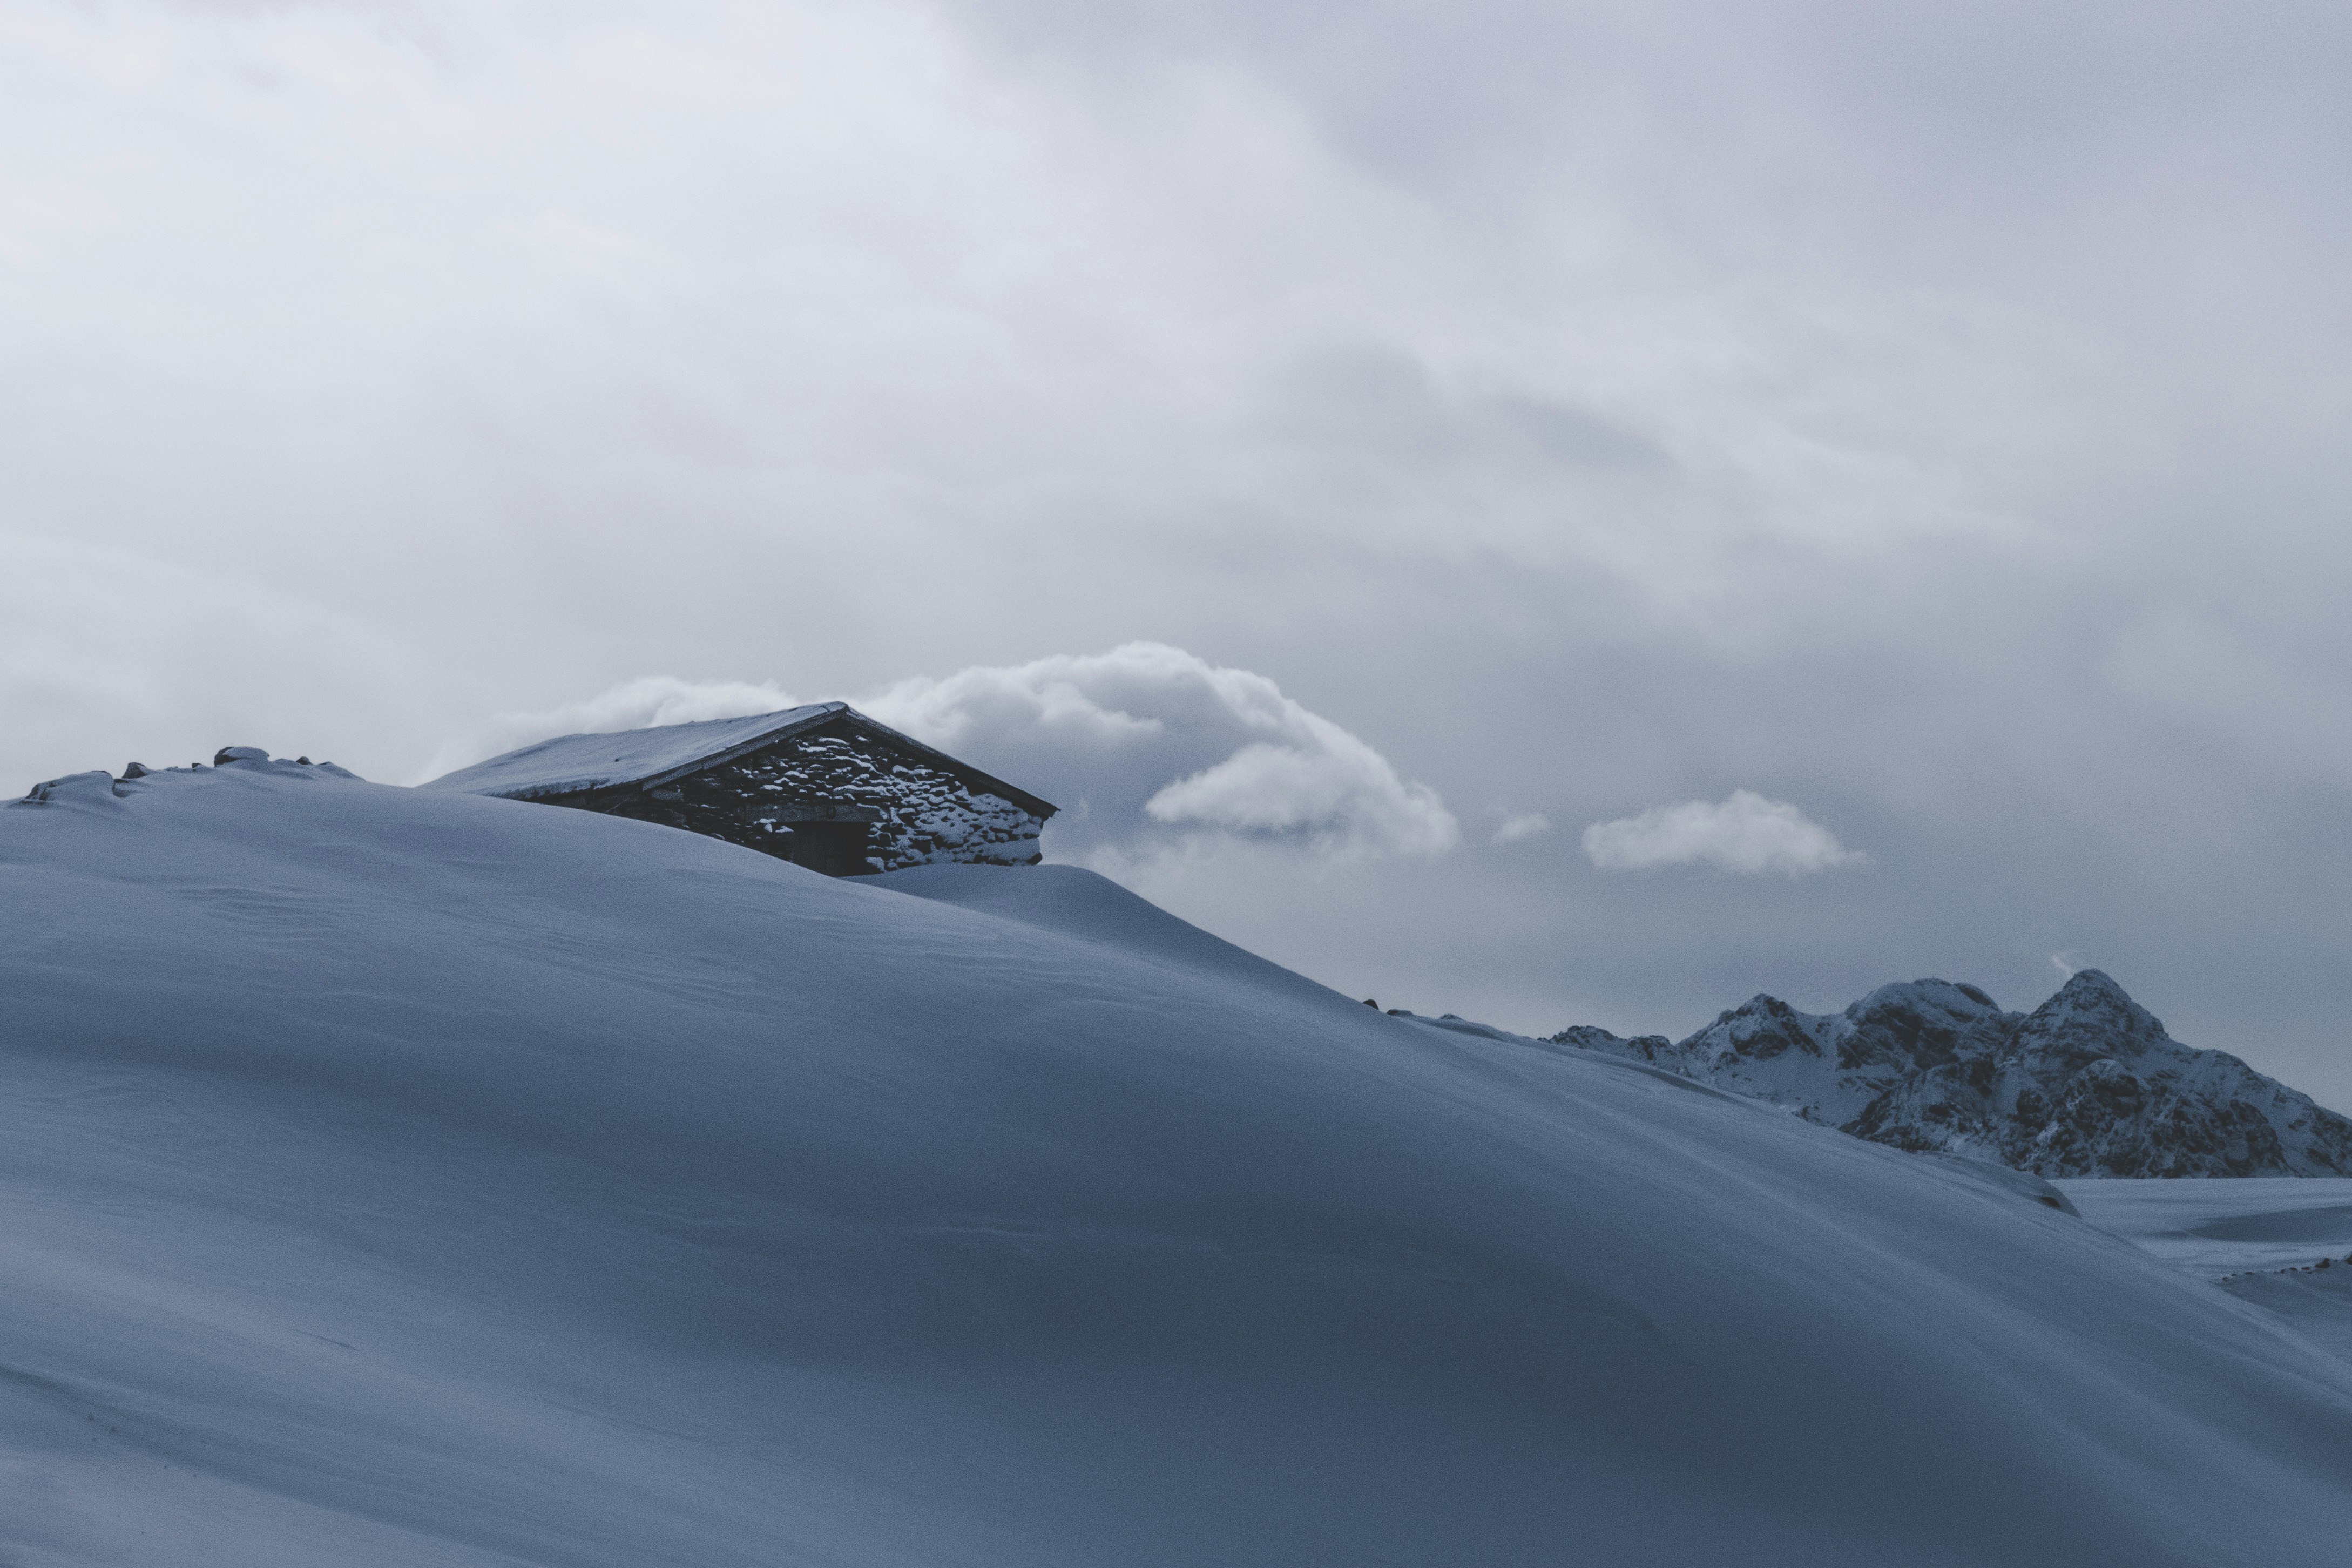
(1148, 745)
(1527, 825)
(1147, 749)
(1744, 833)
(639, 704)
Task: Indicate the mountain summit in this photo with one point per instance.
(2088, 1084)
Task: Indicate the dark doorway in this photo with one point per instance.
(834, 848)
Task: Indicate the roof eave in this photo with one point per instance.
(543, 790)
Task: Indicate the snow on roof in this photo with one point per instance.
(570, 763)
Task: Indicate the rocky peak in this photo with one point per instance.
(1760, 1029)
(2087, 1084)
(1940, 1000)
(2090, 1018)
(1921, 1022)
(1643, 1047)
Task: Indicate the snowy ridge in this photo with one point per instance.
(2088, 1084)
(397, 1178)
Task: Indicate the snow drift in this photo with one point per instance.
(393, 1178)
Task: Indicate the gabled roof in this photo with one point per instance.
(647, 758)
(574, 764)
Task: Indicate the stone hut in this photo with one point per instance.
(822, 786)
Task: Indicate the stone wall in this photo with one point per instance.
(914, 814)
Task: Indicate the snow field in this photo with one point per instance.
(389, 1177)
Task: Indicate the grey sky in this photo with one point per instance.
(1928, 418)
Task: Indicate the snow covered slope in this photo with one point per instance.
(2087, 1085)
(2218, 1228)
(2279, 1243)
(398, 1178)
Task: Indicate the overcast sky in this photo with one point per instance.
(1565, 514)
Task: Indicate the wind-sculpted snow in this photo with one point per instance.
(2086, 1084)
(394, 1178)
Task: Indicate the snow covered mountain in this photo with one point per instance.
(398, 1178)
(2088, 1084)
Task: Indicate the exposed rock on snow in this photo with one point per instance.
(96, 782)
(90, 787)
(2086, 1084)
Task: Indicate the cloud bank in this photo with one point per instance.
(1745, 832)
(1147, 747)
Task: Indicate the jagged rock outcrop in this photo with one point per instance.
(2088, 1084)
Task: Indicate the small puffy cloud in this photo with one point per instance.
(1527, 825)
(1147, 747)
(639, 704)
(1745, 832)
